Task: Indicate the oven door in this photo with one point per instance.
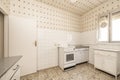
(69, 57)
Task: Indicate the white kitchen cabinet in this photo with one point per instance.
(16, 75)
(85, 55)
(12, 74)
(66, 57)
(107, 61)
(110, 65)
(98, 61)
(81, 55)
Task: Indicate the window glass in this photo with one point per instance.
(103, 28)
(115, 28)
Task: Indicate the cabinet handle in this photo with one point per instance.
(35, 43)
(16, 68)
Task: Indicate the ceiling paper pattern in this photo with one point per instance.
(62, 14)
(4, 5)
(79, 7)
(48, 17)
(90, 19)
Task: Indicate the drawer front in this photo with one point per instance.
(16, 75)
(11, 72)
(110, 65)
(98, 63)
(84, 56)
(106, 53)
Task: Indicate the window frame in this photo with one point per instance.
(109, 27)
(98, 31)
(117, 10)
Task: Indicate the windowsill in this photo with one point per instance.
(108, 43)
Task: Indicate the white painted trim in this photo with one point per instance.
(6, 36)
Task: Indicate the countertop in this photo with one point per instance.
(7, 63)
(110, 50)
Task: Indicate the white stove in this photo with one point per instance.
(66, 57)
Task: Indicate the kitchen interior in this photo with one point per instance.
(59, 39)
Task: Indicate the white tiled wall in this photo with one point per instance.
(47, 46)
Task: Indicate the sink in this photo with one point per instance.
(81, 46)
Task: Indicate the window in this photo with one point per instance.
(104, 28)
(109, 27)
(115, 28)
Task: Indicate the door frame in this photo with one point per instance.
(6, 32)
(6, 36)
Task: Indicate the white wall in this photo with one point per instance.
(52, 33)
(48, 41)
(90, 24)
(54, 25)
(90, 38)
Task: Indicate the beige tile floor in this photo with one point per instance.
(80, 72)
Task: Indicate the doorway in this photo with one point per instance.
(1, 35)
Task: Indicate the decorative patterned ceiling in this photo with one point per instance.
(79, 7)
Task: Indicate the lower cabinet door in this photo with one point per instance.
(98, 62)
(16, 75)
(86, 56)
(77, 57)
(110, 65)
